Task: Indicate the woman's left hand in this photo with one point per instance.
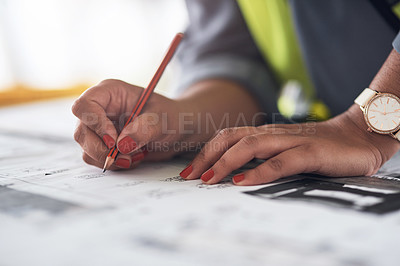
(337, 147)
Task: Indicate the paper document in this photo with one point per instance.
(56, 210)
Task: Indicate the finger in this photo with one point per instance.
(135, 164)
(292, 129)
(90, 109)
(123, 161)
(91, 143)
(214, 149)
(89, 160)
(253, 146)
(130, 161)
(280, 129)
(139, 155)
(144, 129)
(86, 158)
(271, 126)
(293, 161)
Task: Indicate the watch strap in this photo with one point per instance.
(365, 97)
(397, 135)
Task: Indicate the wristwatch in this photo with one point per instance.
(381, 112)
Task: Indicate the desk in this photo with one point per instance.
(55, 210)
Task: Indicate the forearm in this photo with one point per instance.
(340, 146)
(217, 103)
(388, 77)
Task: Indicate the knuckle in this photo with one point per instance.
(145, 125)
(214, 147)
(226, 132)
(258, 173)
(98, 128)
(153, 130)
(311, 150)
(224, 165)
(100, 156)
(109, 81)
(90, 118)
(371, 171)
(77, 107)
(87, 159)
(275, 164)
(78, 135)
(222, 162)
(201, 157)
(251, 140)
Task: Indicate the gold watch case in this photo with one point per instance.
(383, 99)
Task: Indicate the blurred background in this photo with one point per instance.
(55, 48)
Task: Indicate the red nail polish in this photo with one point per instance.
(186, 172)
(137, 156)
(207, 175)
(126, 145)
(238, 178)
(123, 163)
(109, 141)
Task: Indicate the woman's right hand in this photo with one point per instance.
(103, 110)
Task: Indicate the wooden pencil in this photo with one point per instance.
(146, 95)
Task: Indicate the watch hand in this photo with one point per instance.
(372, 110)
(392, 112)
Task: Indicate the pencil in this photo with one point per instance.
(146, 95)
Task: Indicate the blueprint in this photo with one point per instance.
(56, 210)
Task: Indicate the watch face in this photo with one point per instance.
(383, 113)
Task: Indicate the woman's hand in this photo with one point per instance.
(338, 147)
(165, 127)
(103, 110)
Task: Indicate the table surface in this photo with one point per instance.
(55, 210)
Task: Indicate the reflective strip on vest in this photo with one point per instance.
(270, 24)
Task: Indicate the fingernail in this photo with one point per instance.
(137, 156)
(123, 163)
(126, 145)
(109, 141)
(207, 175)
(186, 172)
(238, 178)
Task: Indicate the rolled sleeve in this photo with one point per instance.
(217, 44)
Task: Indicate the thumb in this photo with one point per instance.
(142, 130)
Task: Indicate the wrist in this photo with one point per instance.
(385, 143)
(213, 104)
(386, 81)
(188, 121)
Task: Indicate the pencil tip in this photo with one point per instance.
(109, 161)
(105, 165)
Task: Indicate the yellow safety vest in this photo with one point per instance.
(272, 29)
